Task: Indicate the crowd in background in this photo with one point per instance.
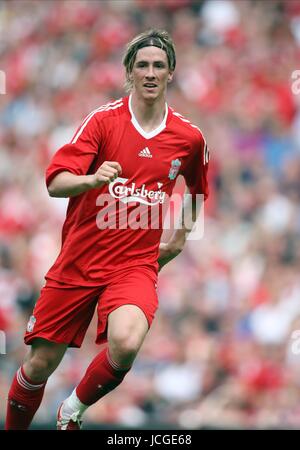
(224, 349)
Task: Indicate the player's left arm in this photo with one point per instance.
(188, 216)
(195, 175)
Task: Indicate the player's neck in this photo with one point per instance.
(148, 114)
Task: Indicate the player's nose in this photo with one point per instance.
(150, 74)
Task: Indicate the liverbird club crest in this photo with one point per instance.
(175, 166)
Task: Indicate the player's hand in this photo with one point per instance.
(166, 253)
(107, 172)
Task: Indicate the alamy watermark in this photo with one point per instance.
(296, 84)
(2, 82)
(2, 343)
(139, 207)
(295, 347)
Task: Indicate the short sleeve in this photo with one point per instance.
(196, 170)
(77, 156)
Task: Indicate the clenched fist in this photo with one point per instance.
(107, 172)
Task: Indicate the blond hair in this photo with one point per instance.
(157, 38)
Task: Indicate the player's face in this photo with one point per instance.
(150, 73)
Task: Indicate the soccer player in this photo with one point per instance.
(129, 151)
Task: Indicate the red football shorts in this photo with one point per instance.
(63, 312)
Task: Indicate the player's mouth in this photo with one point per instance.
(150, 85)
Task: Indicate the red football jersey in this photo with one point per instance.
(150, 162)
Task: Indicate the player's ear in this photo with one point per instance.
(170, 77)
(129, 75)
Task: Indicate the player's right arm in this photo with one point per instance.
(69, 172)
(67, 184)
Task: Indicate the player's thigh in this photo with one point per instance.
(52, 349)
(127, 305)
(44, 354)
(127, 322)
(62, 314)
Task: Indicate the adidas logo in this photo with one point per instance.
(145, 153)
